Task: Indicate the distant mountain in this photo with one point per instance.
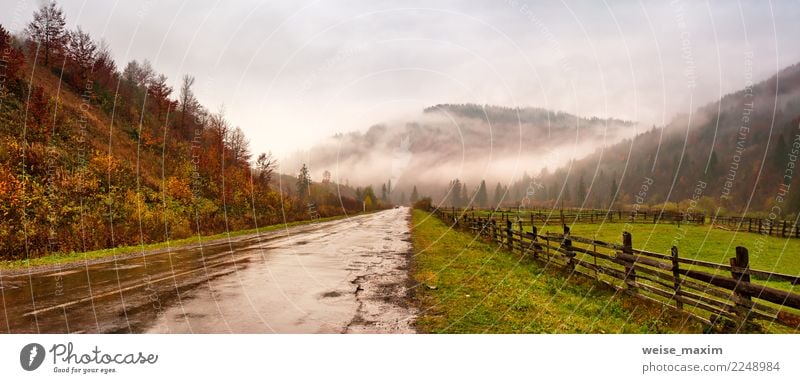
(734, 153)
(470, 142)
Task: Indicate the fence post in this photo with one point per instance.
(676, 275)
(534, 238)
(509, 236)
(630, 272)
(566, 243)
(741, 272)
(783, 231)
(493, 225)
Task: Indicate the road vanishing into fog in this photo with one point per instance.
(344, 276)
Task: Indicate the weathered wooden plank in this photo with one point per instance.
(701, 298)
(596, 242)
(757, 291)
(647, 261)
(601, 269)
(705, 307)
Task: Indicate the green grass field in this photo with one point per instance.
(703, 242)
(469, 286)
(698, 242)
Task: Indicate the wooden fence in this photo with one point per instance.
(764, 226)
(700, 288)
(544, 217)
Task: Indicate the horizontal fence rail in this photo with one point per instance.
(697, 287)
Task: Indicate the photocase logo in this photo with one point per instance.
(31, 356)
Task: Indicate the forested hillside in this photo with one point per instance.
(97, 155)
(734, 154)
(465, 141)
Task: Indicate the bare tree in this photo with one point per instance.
(188, 102)
(239, 145)
(265, 165)
(219, 127)
(47, 29)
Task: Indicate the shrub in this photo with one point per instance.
(424, 203)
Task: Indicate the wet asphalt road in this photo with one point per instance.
(345, 276)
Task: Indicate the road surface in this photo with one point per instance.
(344, 276)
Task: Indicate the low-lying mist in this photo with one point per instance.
(466, 142)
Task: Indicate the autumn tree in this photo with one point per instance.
(219, 129)
(47, 29)
(81, 50)
(13, 59)
(369, 197)
(239, 146)
(160, 92)
(104, 69)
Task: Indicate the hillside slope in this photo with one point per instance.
(92, 157)
(734, 154)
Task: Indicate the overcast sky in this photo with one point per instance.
(291, 72)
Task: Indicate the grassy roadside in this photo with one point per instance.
(468, 286)
(65, 258)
